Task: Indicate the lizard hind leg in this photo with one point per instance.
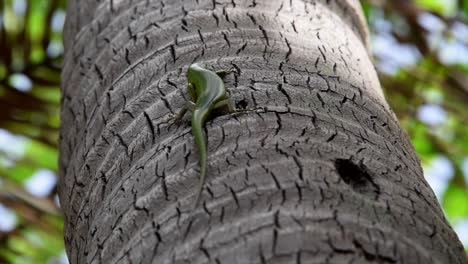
(189, 106)
(226, 104)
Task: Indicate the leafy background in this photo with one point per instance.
(420, 49)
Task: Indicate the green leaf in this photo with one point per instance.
(367, 8)
(37, 54)
(464, 8)
(454, 203)
(43, 156)
(37, 20)
(23, 247)
(444, 7)
(18, 173)
(12, 257)
(421, 141)
(47, 94)
(50, 245)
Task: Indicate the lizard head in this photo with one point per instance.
(193, 69)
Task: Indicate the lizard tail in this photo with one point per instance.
(198, 119)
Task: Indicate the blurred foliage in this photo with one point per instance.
(31, 225)
(420, 51)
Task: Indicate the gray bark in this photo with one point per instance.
(319, 172)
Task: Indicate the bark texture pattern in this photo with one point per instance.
(319, 172)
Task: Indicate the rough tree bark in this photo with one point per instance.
(320, 172)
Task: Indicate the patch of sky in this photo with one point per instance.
(54, 49)
(431, 23)
(11, 145)
(20, 82)
(450, 51)
(460, 31)
(461, 228)
(393, 55)
(19, 7)
(438, 174)
(58, 19)
(61, 259)
(453, 52)
(382, 25)
(464, 168)
(8, 219)
(41, 183)
(432, 114)
(57, 201)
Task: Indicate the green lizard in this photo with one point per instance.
(208, 93)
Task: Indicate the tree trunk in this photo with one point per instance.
(318, 172)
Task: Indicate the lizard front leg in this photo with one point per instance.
(192, 91)
(223, 73)
(188, 106)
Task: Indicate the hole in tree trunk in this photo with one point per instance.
(357, 177)
(242, 104)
